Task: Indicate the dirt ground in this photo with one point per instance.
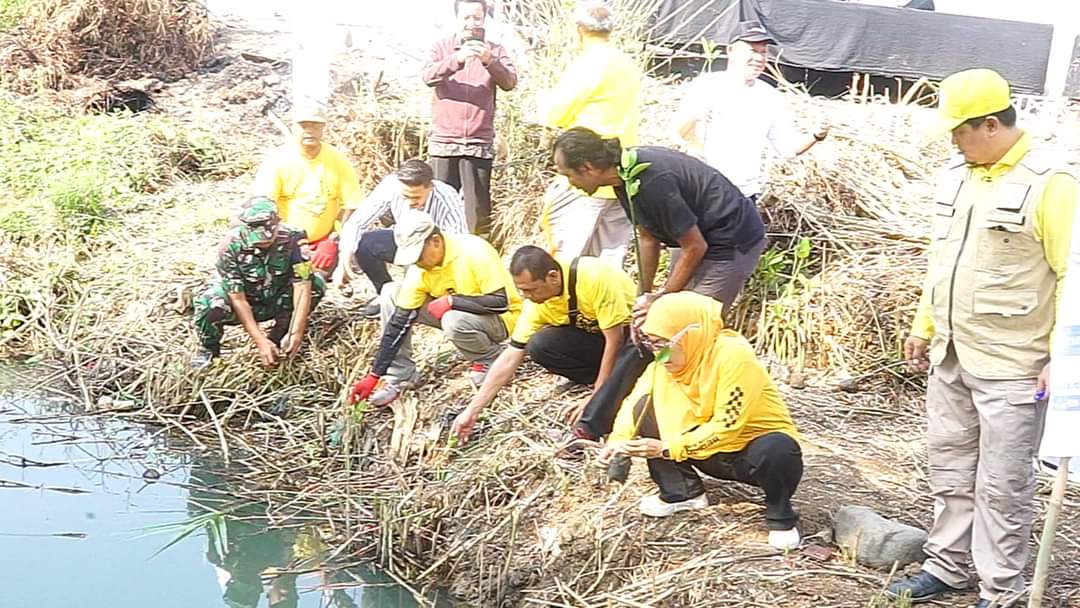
(864, 448)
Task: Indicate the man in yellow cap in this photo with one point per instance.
(1002, 224)
(313, 184)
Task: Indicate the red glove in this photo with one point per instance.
(325, 254)
(438, 307)
(363, 388)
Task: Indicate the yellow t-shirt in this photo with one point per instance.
(741, 406)
(600, 90)
(471, 267)
(605, 294)
(310, 194)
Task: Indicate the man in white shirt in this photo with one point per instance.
(730, 117)
(412, 186)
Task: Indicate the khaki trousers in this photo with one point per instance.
(578, 224)
(982, 437)
(476, 337)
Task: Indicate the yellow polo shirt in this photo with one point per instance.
(310, 193)
(1054, 214)
(605, 294)
(470, 267)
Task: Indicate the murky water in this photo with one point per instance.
(88, 503)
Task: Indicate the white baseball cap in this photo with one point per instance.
(410, 233)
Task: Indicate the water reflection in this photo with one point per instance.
(77, 508)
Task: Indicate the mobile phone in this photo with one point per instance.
(477, 35)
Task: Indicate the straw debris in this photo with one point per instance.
(501, 521)
(70, 44)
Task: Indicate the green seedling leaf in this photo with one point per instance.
(636, 170)
(632, 189)
(803, 251)
(629, 158)
(664, 355)
(452, 441)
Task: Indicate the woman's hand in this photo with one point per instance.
(642, 448)
(608, 452)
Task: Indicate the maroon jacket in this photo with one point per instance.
(463, 108)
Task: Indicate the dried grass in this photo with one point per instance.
(501, 521)
(69, 44)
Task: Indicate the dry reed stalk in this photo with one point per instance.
(61, 44)
(500, 521)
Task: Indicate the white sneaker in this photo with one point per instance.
(785, 540)
(654, 506)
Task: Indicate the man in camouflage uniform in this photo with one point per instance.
(261, 276)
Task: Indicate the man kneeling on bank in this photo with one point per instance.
(707, 404)
(575, 319)
(261, 276)
(456, 282)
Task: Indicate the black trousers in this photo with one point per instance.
(720, 281)
(375, 250)
(568, 351)
(772, 462)
(472, 176)
(599, 414)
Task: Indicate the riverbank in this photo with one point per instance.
(501, 521)
(104, 511)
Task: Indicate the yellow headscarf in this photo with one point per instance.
(694, 322)
(723, 397)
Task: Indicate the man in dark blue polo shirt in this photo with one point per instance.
(715, 233)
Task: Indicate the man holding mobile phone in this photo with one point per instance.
(464, 71)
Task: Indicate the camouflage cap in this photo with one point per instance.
(258, 211)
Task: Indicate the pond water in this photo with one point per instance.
(87, 504)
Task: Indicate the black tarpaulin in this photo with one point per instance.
(846, 37)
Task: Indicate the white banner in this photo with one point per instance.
(1062, 435)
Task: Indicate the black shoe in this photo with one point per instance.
(202, 359)
(921, 587)
(372, 309)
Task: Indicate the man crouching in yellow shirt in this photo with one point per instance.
(707, 404)
(574, 321)
(455, 282)
(313, 185)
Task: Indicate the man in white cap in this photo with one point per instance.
(733, 117)
(1003, 217)
(456, 282)
(313, 185)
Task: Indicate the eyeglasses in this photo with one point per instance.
(655, 344)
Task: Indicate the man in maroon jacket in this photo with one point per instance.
(464, 70)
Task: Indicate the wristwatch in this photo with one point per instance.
(665, 453)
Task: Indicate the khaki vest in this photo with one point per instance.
(991, 286)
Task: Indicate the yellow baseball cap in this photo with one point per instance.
(970, 94)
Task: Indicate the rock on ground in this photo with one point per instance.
(876, 541)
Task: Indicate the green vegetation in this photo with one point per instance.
(782, 285)
(74, 175)
(10, 12)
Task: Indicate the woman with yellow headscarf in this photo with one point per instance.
(707, 404)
